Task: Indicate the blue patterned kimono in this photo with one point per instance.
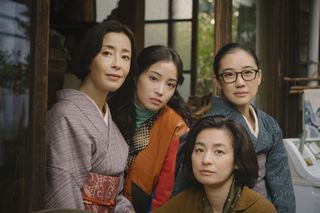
(274, 172)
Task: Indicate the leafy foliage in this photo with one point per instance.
(205, 47)
(13, 73)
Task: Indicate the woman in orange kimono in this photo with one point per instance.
(152, 116)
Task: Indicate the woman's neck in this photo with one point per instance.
(142, 115)
(98, 97)
(217, 195)
(245, 111)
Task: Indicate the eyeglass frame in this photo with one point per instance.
(241, 74)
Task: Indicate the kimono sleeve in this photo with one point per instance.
(69, 159)
(165, 186)
(278, 177)
(123, 204)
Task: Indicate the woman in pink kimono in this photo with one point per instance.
(82, 138)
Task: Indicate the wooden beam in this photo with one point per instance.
(38, 104)
(222, 28)
(301, 79)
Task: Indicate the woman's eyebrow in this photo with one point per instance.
(112, 47)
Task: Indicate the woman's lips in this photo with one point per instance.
(155, 101)
(206, 172)
(240, 94)
(113, 77)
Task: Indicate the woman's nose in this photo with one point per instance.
(116, 62)
(207, 158)
(160, 89)
(239, 81)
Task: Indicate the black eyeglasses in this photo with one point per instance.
(247, 75)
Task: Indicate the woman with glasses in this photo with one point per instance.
(238, 76)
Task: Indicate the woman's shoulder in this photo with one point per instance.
(252, 201)
(70, 103)
(172, 120)
(220, 106)
(170, 115)
(267, 119)
(184, 201)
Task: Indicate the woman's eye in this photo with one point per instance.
(228, 74)
(219, 152)
(106, 53)
(248, 72)
(152, 78)
(125, 57)
(172, 85)
(198, 150)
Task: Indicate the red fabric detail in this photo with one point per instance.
(164, 187)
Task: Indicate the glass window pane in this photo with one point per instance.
(182, 42)
(182, 9)
(14, 101)
(104, 8)
(244, 22)
(156, 10)
(155, 34)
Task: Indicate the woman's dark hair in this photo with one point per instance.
(244, 155)
(121, 102)
(91, 43)
(230, 48)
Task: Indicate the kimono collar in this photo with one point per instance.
(142, 115)
(231, 201)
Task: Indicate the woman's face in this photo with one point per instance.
(240, 93)
(110, 67)
(156, 85)
(213, 158)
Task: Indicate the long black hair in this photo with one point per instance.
(121, 102)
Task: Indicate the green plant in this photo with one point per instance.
(205, 47)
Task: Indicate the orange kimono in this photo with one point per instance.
(152, 173)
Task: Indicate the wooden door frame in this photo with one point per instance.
(36, 153)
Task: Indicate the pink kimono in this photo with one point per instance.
(81, 141)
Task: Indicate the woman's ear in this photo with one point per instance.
(260, 76)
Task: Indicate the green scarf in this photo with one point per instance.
(233, 196)
(142, 115)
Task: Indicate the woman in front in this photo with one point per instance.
(238, 75)
(82, 138)
(152, 116)
(221, 165)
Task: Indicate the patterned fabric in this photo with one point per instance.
(139, 141)
(100, 192)
(80, 142)
(152, 174)
(273, 162)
